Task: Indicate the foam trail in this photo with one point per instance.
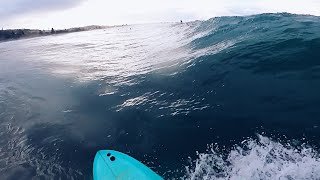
(257, 159)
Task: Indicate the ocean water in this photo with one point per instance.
(227, 98)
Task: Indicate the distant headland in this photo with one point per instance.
(13, 34)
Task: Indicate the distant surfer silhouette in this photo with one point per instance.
(181, 21)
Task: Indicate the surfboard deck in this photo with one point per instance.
(114, 165)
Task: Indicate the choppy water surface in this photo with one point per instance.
(227, 98)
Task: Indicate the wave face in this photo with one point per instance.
(188, 100)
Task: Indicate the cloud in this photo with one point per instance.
(14, 8)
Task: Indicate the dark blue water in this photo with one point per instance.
(227, 98)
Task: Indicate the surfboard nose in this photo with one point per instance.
(110, 165)
(101, 171)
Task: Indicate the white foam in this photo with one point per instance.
(257, 159)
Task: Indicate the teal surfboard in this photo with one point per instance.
(114, 165)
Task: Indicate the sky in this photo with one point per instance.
(45, 14)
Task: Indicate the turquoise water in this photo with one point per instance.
(227, 98)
